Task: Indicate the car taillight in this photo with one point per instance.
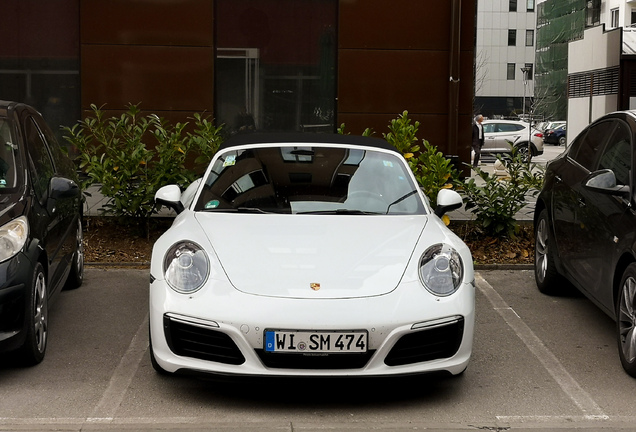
(538, 135)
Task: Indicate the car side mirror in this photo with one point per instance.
(447, 200)
(61, 187)
(604, 181)
(170, 196)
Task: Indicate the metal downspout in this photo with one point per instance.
(453, 90)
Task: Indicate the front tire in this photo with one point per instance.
(562, 141)
(545, 273)
(626, 320)
(37, 319)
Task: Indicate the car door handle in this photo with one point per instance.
(581, 202)
(558, 179)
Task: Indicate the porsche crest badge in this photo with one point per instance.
(314, 286)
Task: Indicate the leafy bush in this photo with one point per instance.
(131, 156)
(499, 199)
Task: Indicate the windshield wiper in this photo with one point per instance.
(238, 210)
(341, 212)
(400, 199)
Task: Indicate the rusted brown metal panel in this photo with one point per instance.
(147, 22)
(390, 81)
(396, 56)
(395, 24)
(161, 78)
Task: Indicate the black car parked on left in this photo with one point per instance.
(41, 248)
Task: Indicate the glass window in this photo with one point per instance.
(529, 37)
(41, 167)
(310, 179)
(512, 6)
(617, 155)
(512, 37)
(586, 148)
(511, 71)
(8, 148)
(275, 65)
(530, 5)
(614, 18)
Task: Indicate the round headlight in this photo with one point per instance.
(186, 267)
(13, 236)
(441, 270)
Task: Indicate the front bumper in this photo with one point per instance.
(15, 276)
(409, 330)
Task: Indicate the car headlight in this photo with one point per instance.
(186, 267)
(13, 236)
(441, 270)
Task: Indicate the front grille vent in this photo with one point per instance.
(196, 341)
(306, 361)
(426, 345)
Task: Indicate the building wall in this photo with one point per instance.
(493, 54)
(596, 52)
(156, 54)
(392, 56)
(395, 56)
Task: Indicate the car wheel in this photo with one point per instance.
(545, 273)
(562, 141)
(524, 152)
(626, 320)
(153, 360)
(76, 276)
(37, 319)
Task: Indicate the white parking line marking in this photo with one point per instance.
(568, 384)
(122, 377)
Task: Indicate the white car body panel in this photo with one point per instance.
(310, 272)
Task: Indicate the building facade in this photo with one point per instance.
(301, 65)
(505, 50)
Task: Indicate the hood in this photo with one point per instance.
(313, 256)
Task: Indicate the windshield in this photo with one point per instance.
(310, 179)
(7, 155)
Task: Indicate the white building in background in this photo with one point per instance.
(602, 66)
(505, 45)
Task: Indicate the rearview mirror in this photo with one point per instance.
(604, 181)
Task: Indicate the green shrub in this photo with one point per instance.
(496, 202)
(132, 156)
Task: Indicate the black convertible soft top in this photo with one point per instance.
(308, 137)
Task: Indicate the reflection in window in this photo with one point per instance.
(275, 65)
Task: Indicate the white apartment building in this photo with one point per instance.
(505, 50)
(618, 13)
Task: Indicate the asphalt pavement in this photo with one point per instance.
(539, 363)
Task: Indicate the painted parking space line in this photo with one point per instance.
(589, 408)
(122, 376)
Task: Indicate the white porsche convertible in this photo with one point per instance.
(309, 255)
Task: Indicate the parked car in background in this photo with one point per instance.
(585, 226)
(309, 255)
(500, 136)
(557, 136)
(551, 125)
(40, 230)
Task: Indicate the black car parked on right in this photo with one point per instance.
(585, 224)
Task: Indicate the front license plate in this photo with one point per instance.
(284, 341)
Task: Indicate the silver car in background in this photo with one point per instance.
(500, 136)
